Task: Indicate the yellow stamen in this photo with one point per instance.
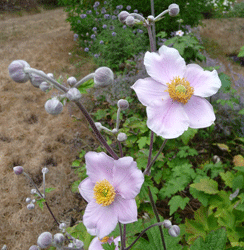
(180, 90)
(104, 193)
(104, 239)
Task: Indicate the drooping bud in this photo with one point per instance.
(16, 71)
(174, 231)
(150, 18)
(122, 16)
(122, 137)
(34, 247)
(115, 131)
(53, 106)
(18, 170)
(30, 206)
(58, 238)
(44, 86)
(103, 77)
(44, 240)
(33, 191)
(78, 244)
(36, 80)
(98, 125)
(62, 226)
(130, 21)
(71, 81)
(167, 224)
(45, 170)
(73, 94)
(174, 9)
(50, 75)
(28, 199)
(123, 104)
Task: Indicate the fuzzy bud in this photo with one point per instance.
(44, 240)
(45, 170)
(28, 199)
(150, 18)
(130, 21)
(18, 170)
(103, 77)
(174, 9)
(62, 226)
(78, 244)
(73, 94)
(50, 75)
(167, 224)
(53, 106)
(122, 137)
(16, 71)
(98, 125)
(71, 81)
(174, 231)
(34, 247)
(36, 80)
(33, 191)
(122, 16)
(115, 131)
(44, 86)
(123, 104)
(30, 206)
(58, 238)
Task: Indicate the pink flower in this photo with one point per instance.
(96, 244)
(110, 190)
(174, 93)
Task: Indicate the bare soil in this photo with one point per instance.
(32, 138)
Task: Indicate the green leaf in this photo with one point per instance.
(143, 141)
(107, 246)
(225, 81)
(188, 135)
(48, 190)
(227, 177)
(241, 53)
(75, 163)
(177, 202)
(207, 186)
(86, 85)
(40, 203)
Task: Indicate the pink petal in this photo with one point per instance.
(128, 179)
(126, 210)
(164, 66)
(204, 82)
(200, 112)
(168, 120)
(149, 91)
(99, 220)
(99, 166)
(86, 189)
(95, 244)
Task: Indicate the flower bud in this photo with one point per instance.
(50, 75)
(58, 238)
(45, 170)
(36, 80)
(130, 21)
(18, 170)
(150, 18)
(123, 104)
(73, 94)
(122, 16)
(4, 247)
(167, 224)
(78, 244)
(44, 86)
(174, 231)
(98, 125)
(16, 71)
(53, 106)
(122, 137)
(115, 131)
(33, 201)
(71, 81)
(34, 247)
(28, 199)
(62, 225)
(174, 9)
(44, 240)
(33, 191)
(103, 77)
(30, 206)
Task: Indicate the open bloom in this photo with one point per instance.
(110, 190)
(174, 93)
(96, 243)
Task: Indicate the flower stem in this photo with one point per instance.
(121, 236)
(120, 149)
(153, 25)
(151, 38)
(147, 170)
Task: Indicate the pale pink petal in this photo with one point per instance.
(126, 210)
(100, 220)
(149, 91)
(200, 112)
(86, 189)
(95, 244)
(99, 166)
(168, 120)
(166, 65)
(205, 83)
(128, 179)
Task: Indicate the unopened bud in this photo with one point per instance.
(123, 104)
(45, 170)
(78, 244)
(174, 9)
(33, 201)
(50, 75)
(122, 16)
(33, 191)
(36, 80)
(103, 77)
(16, 71)
(34, 247)
(167, 224)
(174, 231)
(130, 21)
(71, 81)
(62, 225)
(98, 125)
(216, 158)
(53, 106)
(18, 170)
(58, 238)
(28, 199)
(122, 137)
(73, 94)
(44, 240)
(30, 206)
(150, 18)
(115, 131)
(44, 86)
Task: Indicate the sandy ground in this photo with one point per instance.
(32, 138)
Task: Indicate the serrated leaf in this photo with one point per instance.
(188, 135)
(177, 202)
(142, 142)
(241, 112)
(207, 186)
(48, 190)
(107, 246)
(222, 146)
(75, 163)
(201, 196)
(241, 53)
(225, 81)
(40, 203)
(227, 178)
(238, 161)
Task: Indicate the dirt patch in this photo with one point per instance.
(32, 138)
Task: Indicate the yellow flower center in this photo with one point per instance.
(104, 193)
(104, 239)
(180, 90)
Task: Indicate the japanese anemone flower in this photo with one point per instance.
(96, 243)
(174, 93)
(110, 190)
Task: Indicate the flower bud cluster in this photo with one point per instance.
(174, 230)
